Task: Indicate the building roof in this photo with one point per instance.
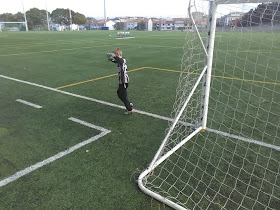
(177, 19)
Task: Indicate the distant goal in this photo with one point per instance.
(122, 35)
(13, 26)
(222, 149)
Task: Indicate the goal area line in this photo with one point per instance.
(143, 113)
(59, 155)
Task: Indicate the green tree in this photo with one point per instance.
(119, 26)
(19, 17)
(141, 26)
(60, 16)
(79, 18)
(7, 17)
(36, 18)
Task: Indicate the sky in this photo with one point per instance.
(95, 8)
(114, 8)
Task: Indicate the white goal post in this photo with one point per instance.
(222, 149)
(11, 25)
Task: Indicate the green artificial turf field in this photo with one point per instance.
(67, 73)
(102, 174)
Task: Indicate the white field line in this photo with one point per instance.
(126, 38)
(87, 98)
(29, 104)
(271, 146)
(141, 112)
(57, 156)
(89, 125)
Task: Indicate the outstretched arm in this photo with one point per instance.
(114, 58)
(111, 57)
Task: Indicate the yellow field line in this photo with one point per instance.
(149, 45)
(85, 81)
(273, 51)
(57, 50)
(95, 79)
(247, 80)
(231, 78)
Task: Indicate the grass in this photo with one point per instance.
(105, 176)
(102, 174)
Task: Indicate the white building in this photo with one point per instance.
(182, 23)
(150, 25)
(74, 27)
(98, 24)
(60, 27)
(110, 24)
(231, 19)
(132, 23)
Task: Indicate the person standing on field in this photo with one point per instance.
(116, 57)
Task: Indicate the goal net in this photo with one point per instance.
(222, 149)
(122, 35)
(12, 26)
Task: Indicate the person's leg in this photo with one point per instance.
(122, 94)
(127, 102)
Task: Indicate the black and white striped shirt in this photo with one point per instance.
(122, 69)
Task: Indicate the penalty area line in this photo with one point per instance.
(51, 159)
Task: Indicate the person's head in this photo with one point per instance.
(118, 52)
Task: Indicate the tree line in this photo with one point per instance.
(36, 17)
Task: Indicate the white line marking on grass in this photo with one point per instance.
(271, 146)
(59, 155)
(87, 98)
(29, 104)
(140, 112)
(126, 38)
(88, 124)
(64, 92)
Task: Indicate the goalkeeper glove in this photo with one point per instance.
(111, 56)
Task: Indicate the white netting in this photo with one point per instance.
(12, 26)
(234, 163)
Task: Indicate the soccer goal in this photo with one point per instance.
(122, 35)
(222, 149)
(13, 26)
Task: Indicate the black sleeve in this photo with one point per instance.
(120, 62)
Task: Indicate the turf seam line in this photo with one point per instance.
(141, 112)
(29, 104)
(51, 159)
